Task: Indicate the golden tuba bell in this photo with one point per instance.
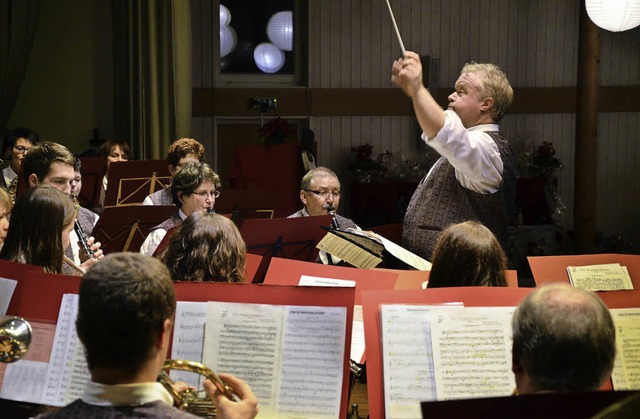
(190, 400)
(15, 338)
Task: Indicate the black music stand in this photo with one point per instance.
(123, 229)
(130, 182)
(92, 170)
(243, 204)
(289, 238)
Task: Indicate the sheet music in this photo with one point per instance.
(603, 277)
(7, 287)
(188, 338)
(347, 251)
(291, 356)
(626, 368)
(67, 375)
(23, 380)
(472, 352)
(316, 281)
(407, 359)
(357, 335)
(399, 252)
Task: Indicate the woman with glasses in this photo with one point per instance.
(206, 247)
(16, 144)
(194, 188)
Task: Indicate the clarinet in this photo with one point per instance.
(211, 211)
(82, 236)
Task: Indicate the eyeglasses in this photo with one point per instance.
(325, 194)
(204, 194)
(21, 149)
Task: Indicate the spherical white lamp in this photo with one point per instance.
(614, 15)
(225, 16)
(228, 40)
(268, 57)
(280, 30)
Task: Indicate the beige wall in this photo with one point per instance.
(68, 87)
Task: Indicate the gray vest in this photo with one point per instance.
(440, 200)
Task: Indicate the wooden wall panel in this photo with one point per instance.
(352, 45)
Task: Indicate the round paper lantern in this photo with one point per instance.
(268, 57)
(228, 39)
(225, 16)
(280, 30)
(614, 15)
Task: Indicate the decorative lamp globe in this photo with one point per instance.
(228, 40)
(614, 15)
(280, 30)
(268, 57)
(225, 16)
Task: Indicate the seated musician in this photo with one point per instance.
(16, 143)
(113, 151)
(207, 247)
(467, 254)
(5, 211)
(125, 317)
(563, 340)
(181, 152)
(52, 164)
(39, 229)
(194, 188)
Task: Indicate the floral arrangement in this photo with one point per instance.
(539, 163)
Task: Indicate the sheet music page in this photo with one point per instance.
(472, 352)
(407, 359)
(626, 368)
(23, 380)
(603, 277)
(348, 251)
(7, 287)
(357, 335)
(67, 374)
(316, 281)
(291, 356)
(188, 339)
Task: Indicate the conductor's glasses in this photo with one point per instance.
(205, 194)
(325, 194)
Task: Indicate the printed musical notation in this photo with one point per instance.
(626, 368)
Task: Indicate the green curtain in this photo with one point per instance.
(152, 74)
(18, 20)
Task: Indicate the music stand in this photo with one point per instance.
(122, 229)
(130, 182)
(92, 170)
(245, 204)
(289, 238)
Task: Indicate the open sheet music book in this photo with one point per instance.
(366, 249)
(626, 368)
(444, 352)
(603, 277)
(291, 356)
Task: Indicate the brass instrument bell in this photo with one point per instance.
(15, 338)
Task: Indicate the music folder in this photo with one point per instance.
(123, 229)
(93, 169)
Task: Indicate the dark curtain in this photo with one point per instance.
(152, 74)
(18, 20)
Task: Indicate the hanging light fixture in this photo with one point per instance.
(228, 40)
(268, 57)
(280, 30)
(614, 15)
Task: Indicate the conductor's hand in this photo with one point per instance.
(406, 73)
(245, 408)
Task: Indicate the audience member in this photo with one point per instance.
(475, 177)
(5, 211)
(207, 247)
(194, 188)
(181, 152)
(39, 229)
(53, 164)
(563, 340)
(468, 254)
(125, 317)
(16, 144)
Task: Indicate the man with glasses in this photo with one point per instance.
(193, 188)
(16, 144)
(320, 195)
(181, 152)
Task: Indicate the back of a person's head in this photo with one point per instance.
(207, 247)
(38, 160)
(189, 177)
(182, 148)
(124, 301)
(35, 230)
(564, 339)
(467, 254)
